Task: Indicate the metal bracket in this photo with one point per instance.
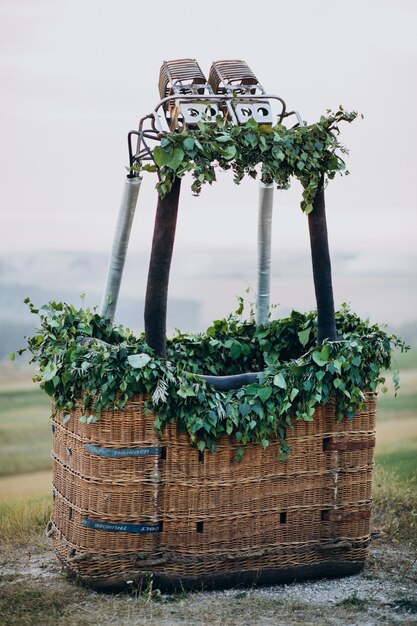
(194, 112)
(187, 98)
(257, 110)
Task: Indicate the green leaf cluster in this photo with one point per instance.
(83, 357)
(311, 154)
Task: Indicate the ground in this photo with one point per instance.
(35, 590)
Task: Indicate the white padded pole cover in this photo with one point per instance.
(266, 197)
(120, 243)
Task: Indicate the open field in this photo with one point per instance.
(25, 434)
(25, 486)
(16, 375)
(396, 449)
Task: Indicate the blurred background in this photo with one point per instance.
(76, 76)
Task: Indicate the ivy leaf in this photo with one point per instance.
(252, 123)
(223, 138)
(337, 364)
(235, 350)
(321, 357)
(325, 352)
(228, 153)
(304, 336)
(294, 393)
(138, 361)
(189, 143)
(148, 168)
(265, 393)
(239, 454)
(279, 381)
(244, 409)
(161, 156)
(252, 390)
(176, 159)
(49, 371)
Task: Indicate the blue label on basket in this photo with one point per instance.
(117, 453)
(121, 528)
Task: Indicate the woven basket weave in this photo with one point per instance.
(128, 503)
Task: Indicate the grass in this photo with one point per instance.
(396, 451)
(19, 399)
(26, 486)
(406, 604)
(28, 604)
(25, 433)
(353, 601)
(403, 403)
(32, 604)
(394, 505)
(401, 461)
(24, 521)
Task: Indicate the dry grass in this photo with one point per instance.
(23, 523)
(16, 375)
(395, 507)
(393, 431)
(29, 604)
(26, 486)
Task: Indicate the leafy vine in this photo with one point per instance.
(83, 358)
(309, 153)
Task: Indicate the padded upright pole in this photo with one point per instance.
(266, 198)
(120, 243)
(322, 270)
(159, 268)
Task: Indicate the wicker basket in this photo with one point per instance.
(128, 503)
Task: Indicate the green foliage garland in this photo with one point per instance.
(84, 358)
(308, 153)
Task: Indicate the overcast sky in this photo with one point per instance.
(76, 75)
